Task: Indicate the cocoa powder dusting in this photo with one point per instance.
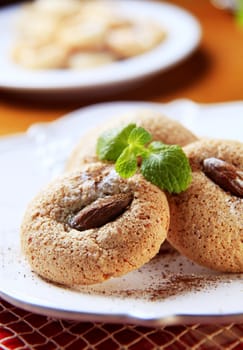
(181, 284)
(169, 286)
(173, 278)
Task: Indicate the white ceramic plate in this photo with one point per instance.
(156, 294)
(183, 37)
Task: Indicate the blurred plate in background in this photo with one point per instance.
(183, 36)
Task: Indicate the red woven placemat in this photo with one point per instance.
(20, 329)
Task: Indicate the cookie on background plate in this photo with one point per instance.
(207, 219)
(90, 225)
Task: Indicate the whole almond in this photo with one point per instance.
(101, 211)
(224, 174)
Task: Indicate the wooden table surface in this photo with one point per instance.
(213, 73)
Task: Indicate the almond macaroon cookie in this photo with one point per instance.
(161, 128)
(90, 225)
(135, 39)
(207, 219)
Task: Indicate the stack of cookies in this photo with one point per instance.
(90, 224)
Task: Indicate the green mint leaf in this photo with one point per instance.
(167, 167)
(157, 146)
(139, 136)
(112, 142)
(126, 164)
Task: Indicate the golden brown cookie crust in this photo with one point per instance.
(161, 128)
(207, 221)
(71, 257)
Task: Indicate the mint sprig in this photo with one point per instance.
(112, 142)
(126, 163)
(166, 166)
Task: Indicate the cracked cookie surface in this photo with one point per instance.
(70, 255)
(207, 219)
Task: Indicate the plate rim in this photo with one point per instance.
(119, 318)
